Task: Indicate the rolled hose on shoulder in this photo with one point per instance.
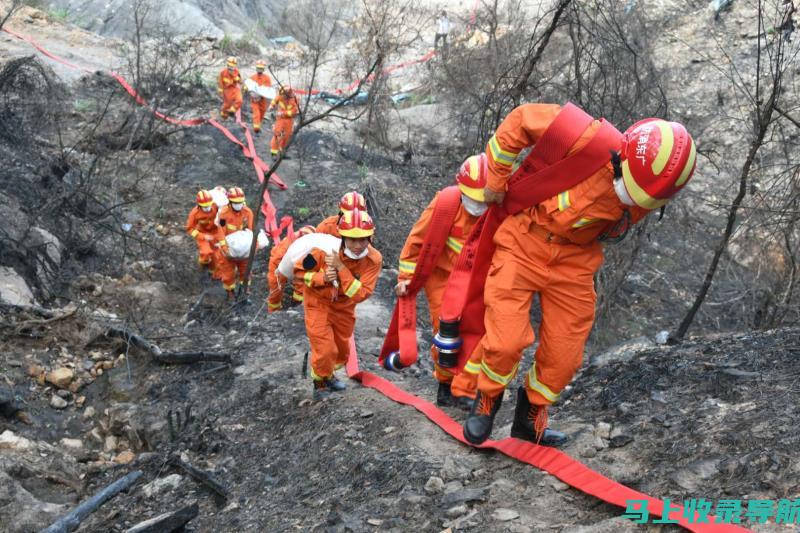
(448, 343)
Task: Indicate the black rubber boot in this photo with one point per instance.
(444, 397)
(523, 426)
(321, 390)
(335, 385)
(464, 403)
(478, 425)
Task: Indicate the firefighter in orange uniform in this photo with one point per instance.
(258, 103)
(554, 249)
(471, 180)
(286, 108)
(233, 217)
(230, 88)
(334, 284)
(275, 280)
(203, 229)
(351, 200)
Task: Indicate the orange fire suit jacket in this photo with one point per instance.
(330, 226)
(436, 283)
(231, 221)
(200, 225)
(330, 312)
(551, 249)
(276, 281)
(285, 107)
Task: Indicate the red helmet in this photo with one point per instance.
(356, 224)
(472, 176)
(235, 195)
(352, 200)
(658, 158)
(204, 198)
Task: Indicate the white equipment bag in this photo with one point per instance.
(219, 195)
(239, 243)
(301, 248)
(257, 92)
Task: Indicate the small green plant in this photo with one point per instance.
(363, 169)
(58, 15)
(244, 45)
(226, 44)
(194, 79)
(303, 212)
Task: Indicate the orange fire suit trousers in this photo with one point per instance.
(329, 331)
(230, 271)
(276, 284)
(525, 263)
(207, 252)
(281, 134)
(259, 110)
(231, 101)
(434, 292)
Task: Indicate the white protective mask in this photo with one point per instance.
(237, 206)
(206, 209)
(473, 207)
(622, 192)
(351, 255)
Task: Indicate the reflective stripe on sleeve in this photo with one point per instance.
(353, 288)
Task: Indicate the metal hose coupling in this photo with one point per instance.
(392, 362)
(448, 343)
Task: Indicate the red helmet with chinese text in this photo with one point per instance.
(658, 158)
(235, 195)
(356, 224)
(204, 198)
(352, 200)
(232, 62)
(261, 65)
(473, 176)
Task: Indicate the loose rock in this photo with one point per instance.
(157, 486)
(434, 485)
(504, 515)
(57, 402)
(60, 377)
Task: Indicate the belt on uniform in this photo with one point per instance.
(549, 236)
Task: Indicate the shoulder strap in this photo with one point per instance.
(402, 333)
(534, 186)
(444, 214)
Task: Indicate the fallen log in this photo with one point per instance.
(161, 356)
(167, 522)
(203, 477)
(73, 519)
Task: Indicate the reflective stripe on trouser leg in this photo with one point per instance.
(568, 304)
(507, 321)
(466, 383)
